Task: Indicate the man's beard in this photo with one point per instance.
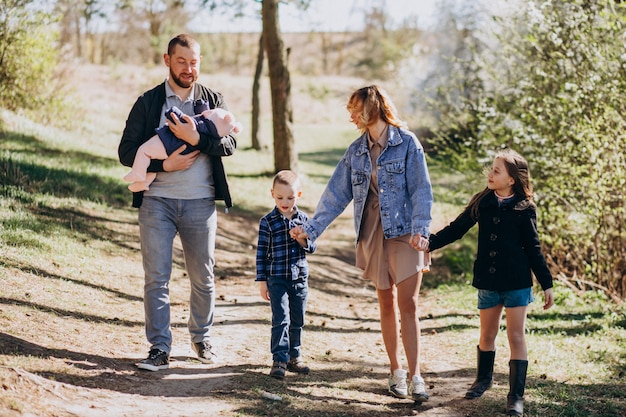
(180, 82)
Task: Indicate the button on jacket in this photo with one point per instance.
(278, 255)
(404, 189)
(508, 244)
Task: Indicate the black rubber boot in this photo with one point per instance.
(517, 383)
(484, 374)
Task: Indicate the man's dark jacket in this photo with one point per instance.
(144, 118)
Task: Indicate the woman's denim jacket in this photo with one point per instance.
(404, 189)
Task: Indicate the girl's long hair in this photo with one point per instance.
(517, 168)
(376, 104)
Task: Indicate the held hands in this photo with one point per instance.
(298, 234)
(419, 242)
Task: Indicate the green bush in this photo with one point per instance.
(558, 97)
(28, 59)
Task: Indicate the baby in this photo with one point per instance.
(214, 122)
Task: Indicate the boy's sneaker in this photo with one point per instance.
(205, 351)
(157, 359)
(397, 384)
(418, 389)
(297, 365)
(278, 370)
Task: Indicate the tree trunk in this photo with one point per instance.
(285, 155)
(257, 142)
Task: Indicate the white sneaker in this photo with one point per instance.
(397, 384)
(418, 389)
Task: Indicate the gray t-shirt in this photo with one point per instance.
(193, 183)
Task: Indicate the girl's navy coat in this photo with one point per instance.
(508, 244)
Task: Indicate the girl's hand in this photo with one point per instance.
(548, 299)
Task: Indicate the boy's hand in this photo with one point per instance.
(265, 294)
(548, 297)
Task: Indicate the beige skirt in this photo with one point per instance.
(386, 262)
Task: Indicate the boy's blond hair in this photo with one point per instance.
(287, 177)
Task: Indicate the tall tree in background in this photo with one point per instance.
(257, 142)
(158, 15)
(78, 25)
(285, 154)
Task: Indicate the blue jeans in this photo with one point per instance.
(288, 301)
(160, 219)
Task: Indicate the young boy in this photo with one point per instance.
(282, 274)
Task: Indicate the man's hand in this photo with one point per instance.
(185, 131)
(178, 162)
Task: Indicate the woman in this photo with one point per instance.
(384, 171)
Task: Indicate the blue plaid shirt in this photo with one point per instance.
(278, 255)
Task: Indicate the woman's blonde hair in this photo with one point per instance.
(374, 104)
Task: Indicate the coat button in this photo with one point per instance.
(492, 270)
(492, 253)
(493, 237)
(496, 220)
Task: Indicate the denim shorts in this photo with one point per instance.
(513, 298)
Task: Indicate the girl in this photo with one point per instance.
(508, 250)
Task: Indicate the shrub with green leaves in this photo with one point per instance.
(28, 57)
(558, 97)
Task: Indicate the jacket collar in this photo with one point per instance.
(492, 200)
(395, 139)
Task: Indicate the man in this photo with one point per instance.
(180, 200)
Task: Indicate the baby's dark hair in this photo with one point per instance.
(287, 177)
(517, 168)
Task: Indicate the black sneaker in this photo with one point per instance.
(157, 359)
(278, 370)
(205, 351)
(297, 365)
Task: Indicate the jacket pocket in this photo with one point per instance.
(359, 192)
(395, 178)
